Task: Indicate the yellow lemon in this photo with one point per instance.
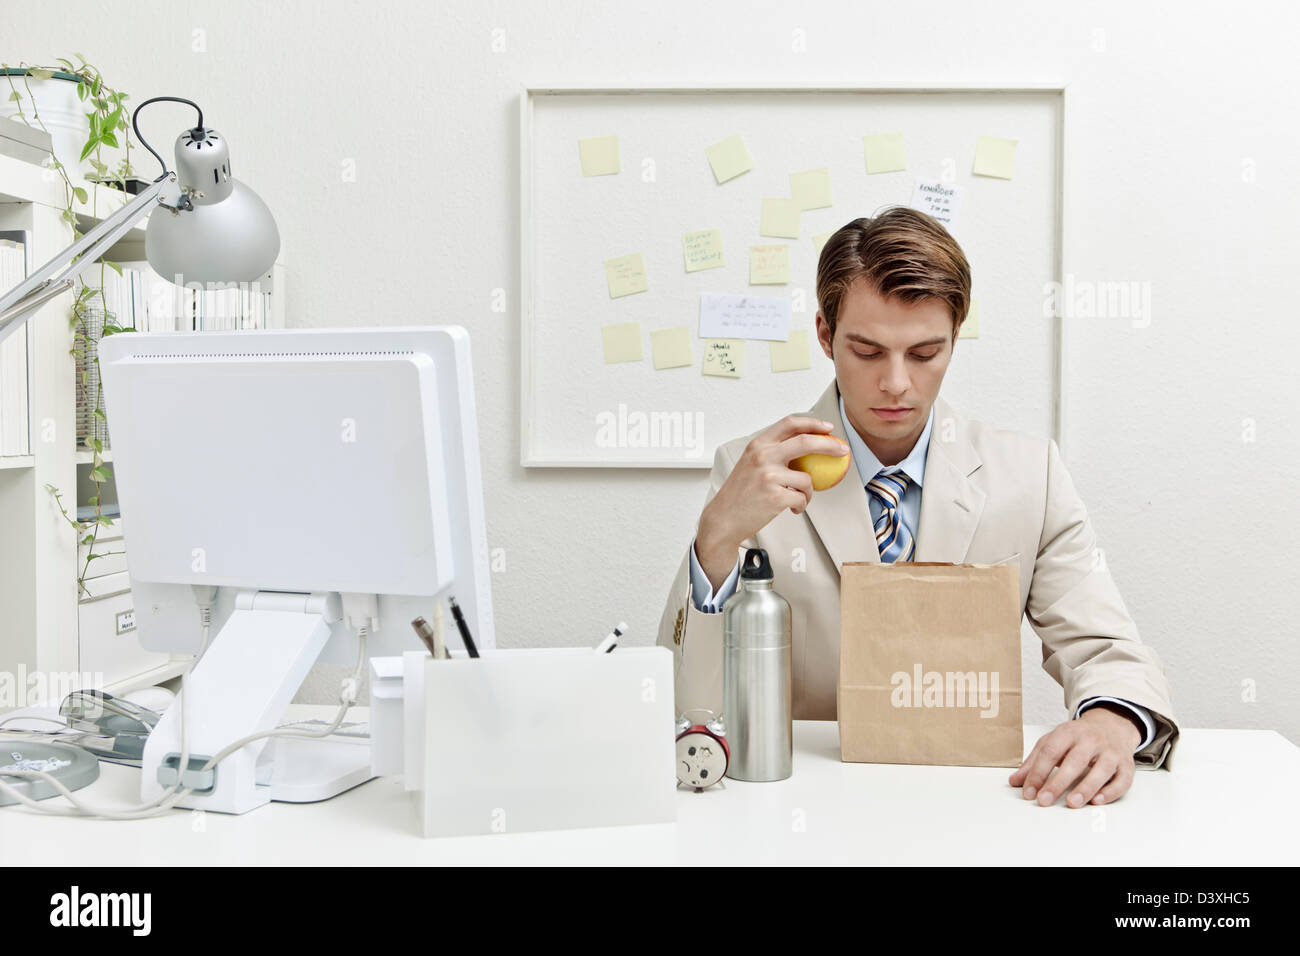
(826, 470)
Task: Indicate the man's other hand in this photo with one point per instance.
(1098, 747)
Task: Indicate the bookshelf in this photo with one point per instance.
(44, 625)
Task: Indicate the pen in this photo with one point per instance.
(439, 644)
(464, 628)
(425, 633)
(611, 639)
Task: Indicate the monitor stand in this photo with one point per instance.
(242, 685)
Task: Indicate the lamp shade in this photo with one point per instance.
(228, 236)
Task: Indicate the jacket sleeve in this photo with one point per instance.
(694, 636)
(1090, 644)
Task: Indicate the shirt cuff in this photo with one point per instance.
(710, 604)
(1142, 713)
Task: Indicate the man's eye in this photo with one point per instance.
(868, 354)
(925, 358)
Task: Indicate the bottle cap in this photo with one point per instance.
(757, 567)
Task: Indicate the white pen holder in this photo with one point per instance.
(529, 739)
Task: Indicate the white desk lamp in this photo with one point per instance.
(217, 230)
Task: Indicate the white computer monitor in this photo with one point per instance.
(289, 469)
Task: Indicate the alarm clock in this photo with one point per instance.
(702, 752)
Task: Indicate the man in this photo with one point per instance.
(931, 483)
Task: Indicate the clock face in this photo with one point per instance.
(701, 759)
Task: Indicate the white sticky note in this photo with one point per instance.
(791, 355)
(811, 189)
(970, 329)
(703, 250)
(724, 357)
(995, 157)
(622, 342)
(884, 152)
(626, 275)
(729, 158)
(780, 218)
(599, 155)
(744, 316)
(671, 348)
(940, 200)
(769, 265)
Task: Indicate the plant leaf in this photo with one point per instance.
(89, 148)
(81, 92)
(40, 73)
(114, 266)
(81, 194)
(107, 137)
(14, 96)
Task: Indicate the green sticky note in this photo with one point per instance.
(769, 265)
(792, 354)
(703, 249)
(780, 218)
(819, 240)
(626, 275)
(724, 357)
(599, 155)
(970, 329)
(811, 189)
(729, 158)
(672, 347)
(622, 342)
(995, 156)
(884, 152)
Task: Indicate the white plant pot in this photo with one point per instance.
(62, 113)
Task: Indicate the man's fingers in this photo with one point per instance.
(1118, 785)
(1096, 778)
(1072, 767)
(793, 425)
(1050, 751)
(809, 444)
(1018, 775)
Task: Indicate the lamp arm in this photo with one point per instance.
(56, 276)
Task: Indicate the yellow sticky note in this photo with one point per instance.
(622, 342)
(769, 265)
(970, 329)
(729, 158)
(724, 357)
(884, 152)
(703, 249)
(995, 156)
(811, 189)
(626, 275)
(792, 354)
(819, 240)
(599, 155)
(672, 347)
(780, 218)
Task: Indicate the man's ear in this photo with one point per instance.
(829, 348)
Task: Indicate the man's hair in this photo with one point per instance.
(904, 254)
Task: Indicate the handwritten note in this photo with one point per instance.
(729, 158)
(626, 275)
(780, 218)
(791, 355)
(970, 329)
(811, 189)
(703, 250)
(769, 265)
(671, 347)
(599, 155)
(884, 152)
(622, 342)
(724, 357)
(940, 200)
(744, 316)
(995, 157)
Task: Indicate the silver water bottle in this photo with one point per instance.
(756, 701)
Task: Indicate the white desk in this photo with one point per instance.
(1231, 800)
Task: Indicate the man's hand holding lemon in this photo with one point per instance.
(780, 468)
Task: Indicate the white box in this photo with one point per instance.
(544, 739)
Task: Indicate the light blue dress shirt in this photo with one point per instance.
(909, 513)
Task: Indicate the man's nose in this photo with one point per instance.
(895, 381)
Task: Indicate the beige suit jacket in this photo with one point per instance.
(990, 496)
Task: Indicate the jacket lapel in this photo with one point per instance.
(951, 504)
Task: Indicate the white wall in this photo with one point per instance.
(1173, 106)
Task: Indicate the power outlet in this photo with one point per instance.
(126, 621)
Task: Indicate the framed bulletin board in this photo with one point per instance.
(652, 192)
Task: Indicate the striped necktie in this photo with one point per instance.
(892, 536)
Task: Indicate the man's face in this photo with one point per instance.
(888, 355)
